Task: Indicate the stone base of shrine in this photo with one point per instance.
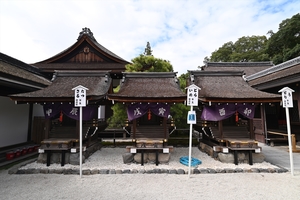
(70, 157)
(242, 156)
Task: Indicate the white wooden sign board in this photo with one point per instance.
(80, 96)
(192, 95)
(287, 97)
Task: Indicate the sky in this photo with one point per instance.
(181, 31)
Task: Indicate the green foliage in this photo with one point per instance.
(119, 116)
(245, 49)
(284, 45)
(222, 54)
(179, 113)
(182, 80)
(147, 63)
(280, 47)
(292, 53)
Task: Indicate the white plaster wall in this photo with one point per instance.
(13, 122)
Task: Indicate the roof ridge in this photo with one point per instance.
(88, 32)
(275, 68)
(245, 64)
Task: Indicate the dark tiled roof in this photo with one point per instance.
(149, 86)
(98, 84)
(284, 73)
(19, 64)
(19, 76)
(22, 75)
(228, 86)
(247, 67)
(87, 35)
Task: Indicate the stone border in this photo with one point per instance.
(143, 171)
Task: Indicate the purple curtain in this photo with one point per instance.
(247, 110)
(138, 110)
(224, 111)
(52, 110)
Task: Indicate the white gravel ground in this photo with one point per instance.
(111, 158)
(233, 186)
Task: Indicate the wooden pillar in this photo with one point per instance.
(29, 122)
(221, 128)
(264, 121)
(77, 128)
(47, 128)
(134, 128)
(297, 97)
(165, 127)
(251, 135)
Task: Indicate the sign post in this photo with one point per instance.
(287, 102)
(192, 100)
(80, 101)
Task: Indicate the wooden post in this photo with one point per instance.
(165, 128)
(134, 128)
(294, 148)
(264, 122)
(252, 136)
(298, 94)
(47, 128)
(78, 129)
(29, 122)
(221, 128)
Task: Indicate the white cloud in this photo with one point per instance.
(183, 32)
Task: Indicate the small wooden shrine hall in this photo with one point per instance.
(148, 97)
(58, 101)
(226, 110)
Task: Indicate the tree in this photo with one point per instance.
(222, 54)
(148, 63)
(280, 47)
(119, 116)
(144, 63)
(148, 51)
(245, 49)
(284, 45)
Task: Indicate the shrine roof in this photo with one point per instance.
(85, 52)
(17, 76)
(278, 75)
(97, 82)
(247, 67)
(149, 87)
(228, 86)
